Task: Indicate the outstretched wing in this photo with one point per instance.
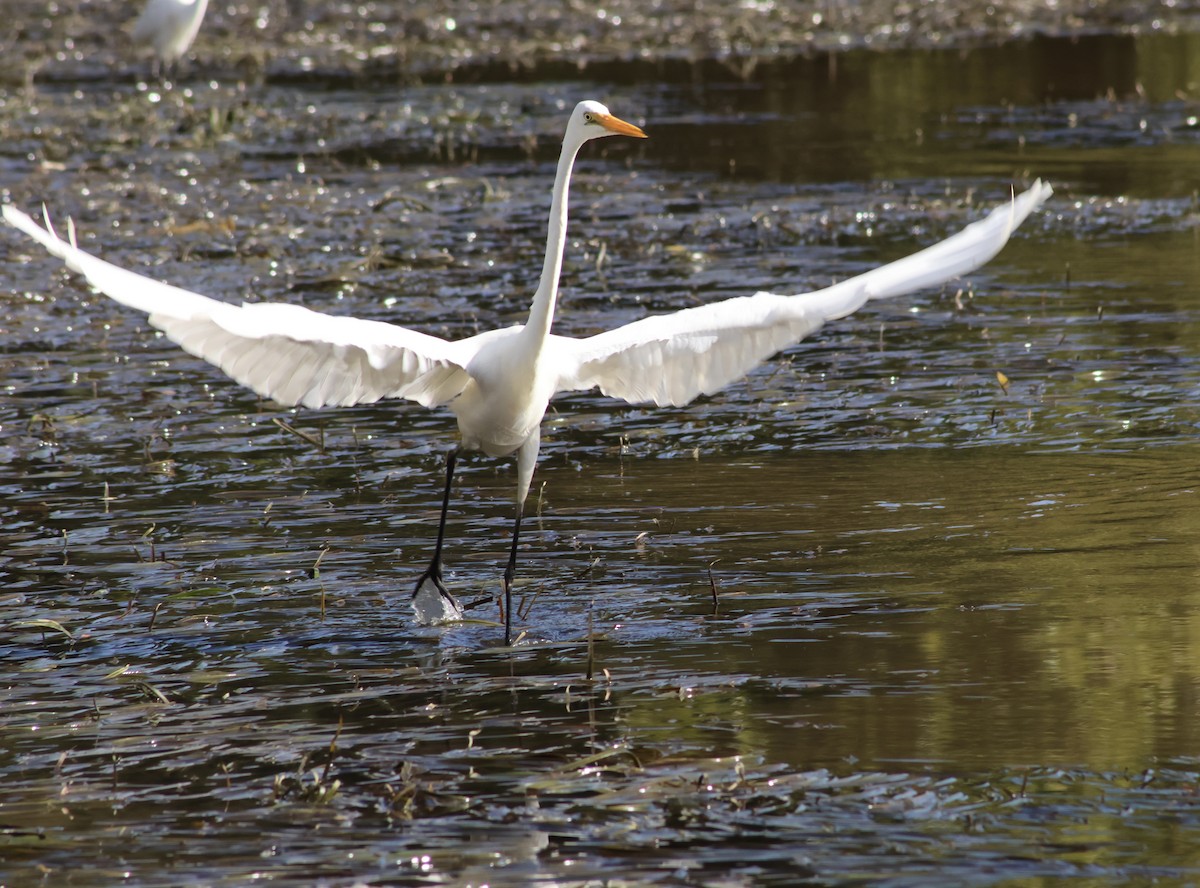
(671, 359)
(288, 353)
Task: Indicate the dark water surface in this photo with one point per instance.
(956, 629)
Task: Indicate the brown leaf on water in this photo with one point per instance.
(226, 225)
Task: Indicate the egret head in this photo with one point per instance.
(591, 120)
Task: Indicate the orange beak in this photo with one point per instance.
(619, 127)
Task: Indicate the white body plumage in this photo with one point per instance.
(169, 27)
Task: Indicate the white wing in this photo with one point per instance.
(285, 352)
(671, 359)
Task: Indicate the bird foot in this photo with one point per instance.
(431, 608)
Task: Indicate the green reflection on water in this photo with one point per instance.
(962, 609)
(1101, 109)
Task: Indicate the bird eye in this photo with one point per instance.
(587, 115)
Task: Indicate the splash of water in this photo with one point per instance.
(431, 607)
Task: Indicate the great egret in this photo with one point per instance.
(169, 27)
(498, 384)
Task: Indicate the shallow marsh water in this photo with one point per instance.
(955, 630)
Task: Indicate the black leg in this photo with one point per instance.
(433, 573)
(509, 573)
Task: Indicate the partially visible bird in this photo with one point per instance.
(169, 27)
(499, 383)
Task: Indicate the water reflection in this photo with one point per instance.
(1063, 107)
(889, 617)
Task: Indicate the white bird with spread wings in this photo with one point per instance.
(498, 384)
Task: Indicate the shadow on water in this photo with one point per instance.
(916, 603)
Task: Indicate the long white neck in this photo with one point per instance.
(541, 313)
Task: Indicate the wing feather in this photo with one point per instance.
(285, 352)
(671, 359)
